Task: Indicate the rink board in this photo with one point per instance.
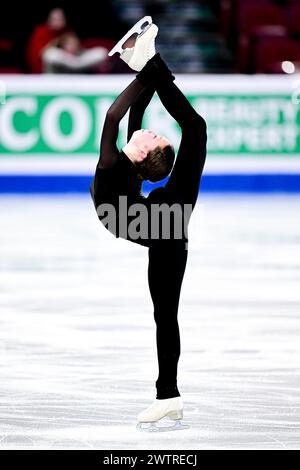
(50, 129)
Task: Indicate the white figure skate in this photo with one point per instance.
(141, 26)
(152, 419)
(143, 48)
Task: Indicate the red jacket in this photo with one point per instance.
(40, 37)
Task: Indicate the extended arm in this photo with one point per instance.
(108, 144)
(137, 110)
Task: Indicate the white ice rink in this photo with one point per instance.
(78, 351)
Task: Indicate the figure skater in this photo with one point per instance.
(149, 156)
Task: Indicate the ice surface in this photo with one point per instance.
(77, 334)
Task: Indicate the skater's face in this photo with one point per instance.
(146, 140)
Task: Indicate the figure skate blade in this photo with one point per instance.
(138, 28)
(162, 425)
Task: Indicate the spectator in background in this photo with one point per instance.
(66, 55)
(43, 35)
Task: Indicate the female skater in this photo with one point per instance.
(148, 156)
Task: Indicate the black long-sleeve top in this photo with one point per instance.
(115, 172)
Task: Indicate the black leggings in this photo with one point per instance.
(167, 262)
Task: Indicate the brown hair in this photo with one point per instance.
(157, 164)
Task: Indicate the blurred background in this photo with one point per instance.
(196, 36)
(236, 60)
(77, 341)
